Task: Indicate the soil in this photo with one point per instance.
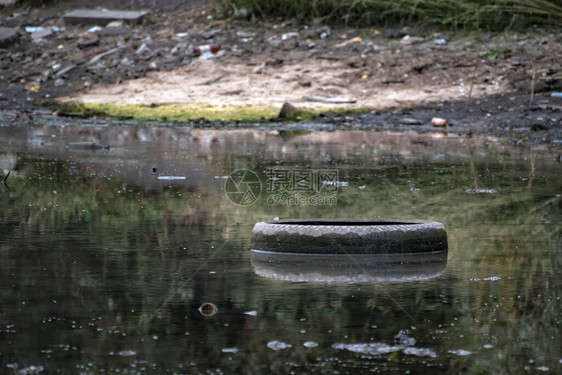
(497, 84)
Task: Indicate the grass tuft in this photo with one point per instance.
(454, 14)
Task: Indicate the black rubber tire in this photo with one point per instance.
(349, 236)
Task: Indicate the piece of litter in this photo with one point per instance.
(460, 352)
(480, 191)
(252, 313)
(439, 122)
(403, 339)
(372, 348)
(142, 49)
(96, 58)
(34, 29)
(127, 353)
(210, 55)
(288, 36)
(182, 36)
(411, 39)
(310, 344)
(94, 29)
(171, 177)
(348, 42)
(335, 183)
(278, 345)
(420, 352)
(200, 50)
(258, 69)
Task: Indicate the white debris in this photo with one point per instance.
(171, 177)
(278, 345)
(420, 352)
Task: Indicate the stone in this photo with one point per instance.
(305, 82)
(100, 17)
(242, 14)
(113, 28)
(288, 111)
(211, 33)
(410, 121)
(8, 36)
(44, 33)
(397, 33)
(323, 32)
(408, 40)
(88, 41)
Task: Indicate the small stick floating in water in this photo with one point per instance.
(5, 179)
(86, 146)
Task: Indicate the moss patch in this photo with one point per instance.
(167, 112)
(188, 112)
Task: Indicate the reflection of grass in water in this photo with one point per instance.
(511, 234)
(506, 234)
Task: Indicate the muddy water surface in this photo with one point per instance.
(107, 256)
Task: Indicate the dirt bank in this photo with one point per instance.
(480, 83)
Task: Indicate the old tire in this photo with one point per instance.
(348, 236)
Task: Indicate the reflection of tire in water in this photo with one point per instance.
(348, 236)
(348, 269)
(243, 187)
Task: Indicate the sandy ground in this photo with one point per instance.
(380, 75)
(269, 63)
(370, 84)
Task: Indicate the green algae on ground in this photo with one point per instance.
(189, 112)
(168, 112)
